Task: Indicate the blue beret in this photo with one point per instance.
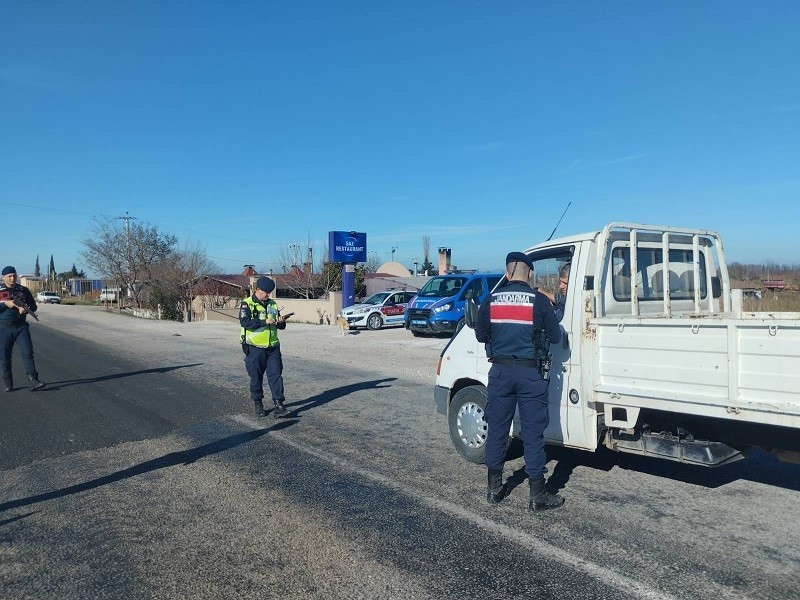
(519, 257)
(265, 284)
(8, 270)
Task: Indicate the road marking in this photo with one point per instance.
(526, 540)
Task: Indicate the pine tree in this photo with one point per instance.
(52, 272)
(36, 270)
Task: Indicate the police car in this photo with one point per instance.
(379, 310)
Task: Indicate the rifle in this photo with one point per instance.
(18, 300)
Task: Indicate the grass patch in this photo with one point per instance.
(782, 301)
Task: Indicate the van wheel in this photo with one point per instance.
(467, 420)
(374, 321)
(417, 333)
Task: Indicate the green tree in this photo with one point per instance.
(72, 273)
(37, 271)
(51, 272)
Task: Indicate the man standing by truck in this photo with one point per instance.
(516, 323)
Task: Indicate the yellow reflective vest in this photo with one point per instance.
(265, 336)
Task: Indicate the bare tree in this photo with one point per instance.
(297, 261)
(373, 262)
(427, 265)
(177, 279)
(126, 257)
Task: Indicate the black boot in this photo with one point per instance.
(35, 383)
(495, 491)
(258, 408)
(280, 409)
(9, 381)
(541, 499)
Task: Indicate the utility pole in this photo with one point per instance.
(127, 218)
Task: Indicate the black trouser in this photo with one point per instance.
(20, 335)
(265, 360)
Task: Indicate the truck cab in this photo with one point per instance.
(656, 358)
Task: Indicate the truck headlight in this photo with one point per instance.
(443, 308)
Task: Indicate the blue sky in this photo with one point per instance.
(250, 126)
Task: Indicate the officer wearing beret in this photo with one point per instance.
(14, 329)
(512, 321)
(260, 320)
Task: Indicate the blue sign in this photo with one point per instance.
(347, 246)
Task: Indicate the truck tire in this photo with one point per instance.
(374, 321)
(467, 420)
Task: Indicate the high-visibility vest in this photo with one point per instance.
(266, 335)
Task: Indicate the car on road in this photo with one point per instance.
(48, 298)
(379, 310)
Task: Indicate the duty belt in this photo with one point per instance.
(515, 362)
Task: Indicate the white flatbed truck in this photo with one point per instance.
(675, 370)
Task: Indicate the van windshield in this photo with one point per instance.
(442, 287)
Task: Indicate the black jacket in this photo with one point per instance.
(11, 316)
(508, 318)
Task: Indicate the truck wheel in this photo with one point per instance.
(374, 321)
(467, 420)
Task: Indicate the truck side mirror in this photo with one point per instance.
(471, 313)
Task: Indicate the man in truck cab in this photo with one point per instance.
(559, 299)
(515, 323)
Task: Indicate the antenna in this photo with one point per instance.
(394, 249)
(559, 222)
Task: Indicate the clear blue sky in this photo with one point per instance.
(251, 126)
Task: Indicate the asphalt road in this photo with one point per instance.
(126, 480)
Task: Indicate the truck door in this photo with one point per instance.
(547, 267)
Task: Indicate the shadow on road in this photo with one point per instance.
(301, 406)
(184, 457)
(57, 385)
(759, 467)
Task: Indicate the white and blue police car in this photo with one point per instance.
(379, 310)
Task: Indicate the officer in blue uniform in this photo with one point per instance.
(14, 329)
(516, 323)
(260, 319)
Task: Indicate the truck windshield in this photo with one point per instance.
(442, 287)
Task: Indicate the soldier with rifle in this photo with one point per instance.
(16, 302)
